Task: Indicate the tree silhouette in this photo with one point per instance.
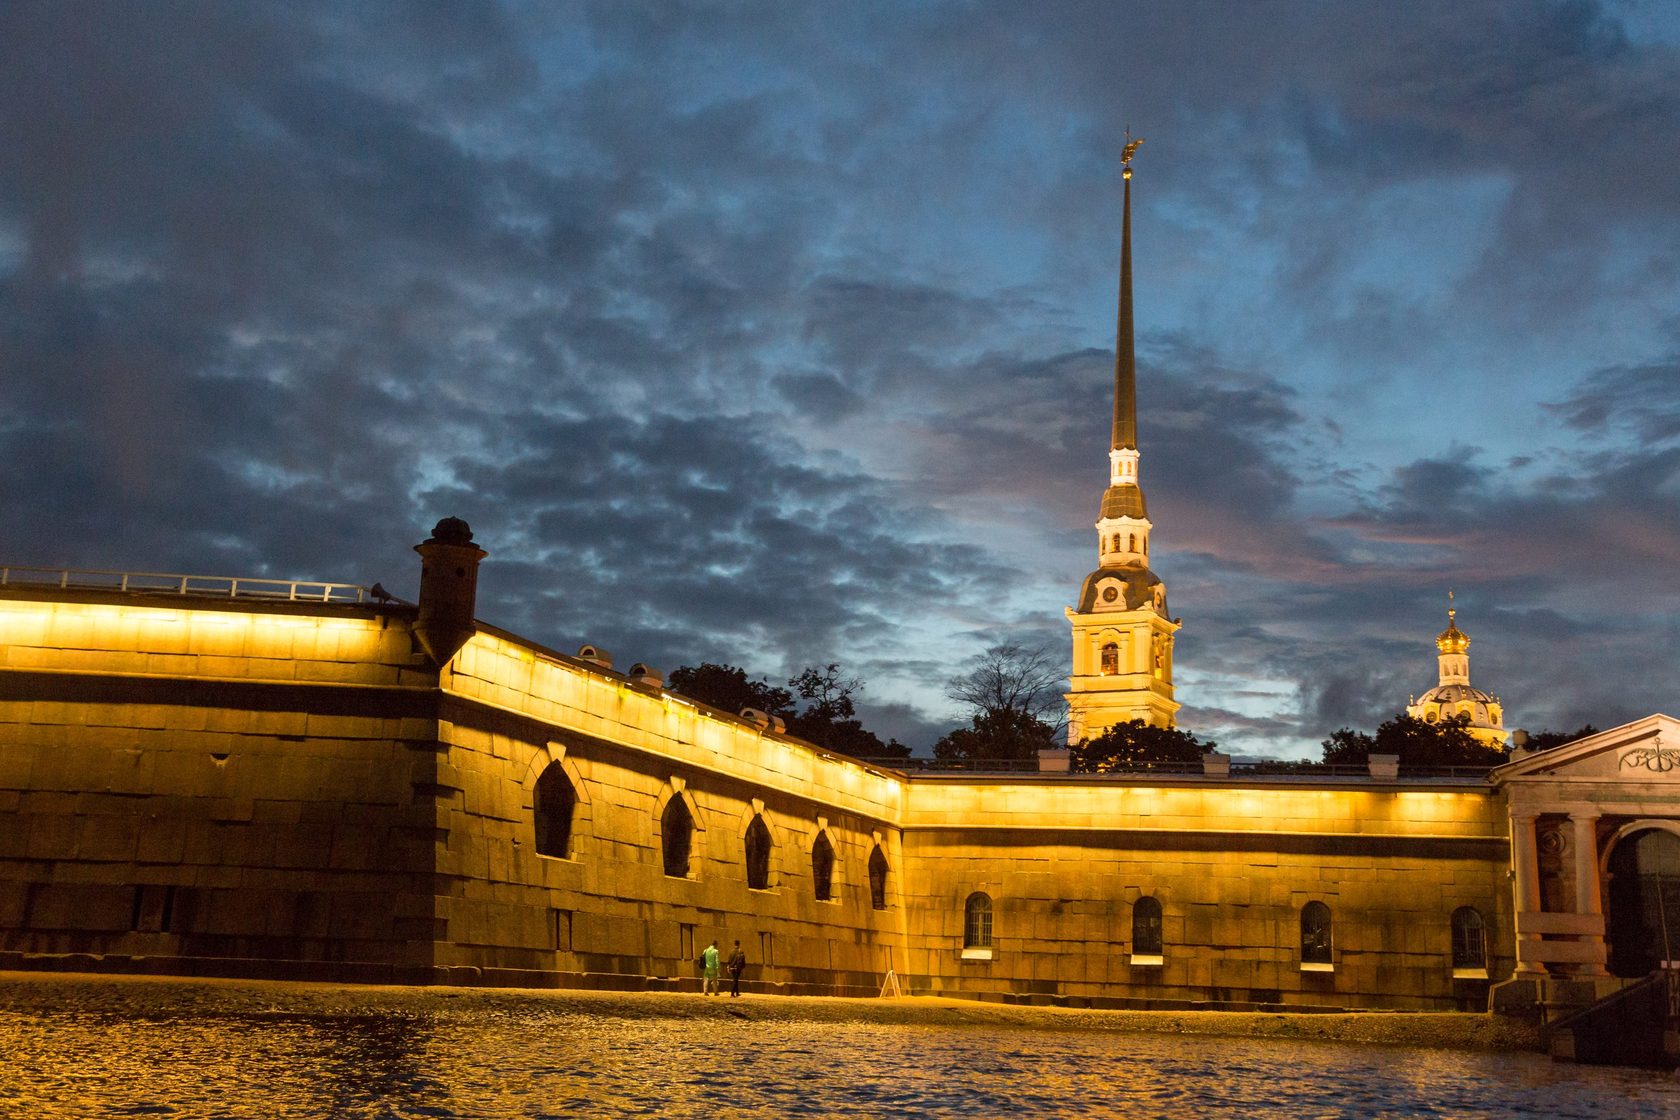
(1136, 743)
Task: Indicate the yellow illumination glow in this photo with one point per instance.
(128, 631)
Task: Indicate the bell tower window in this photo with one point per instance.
(1110, 659)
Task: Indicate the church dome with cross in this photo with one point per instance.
(1454, 696)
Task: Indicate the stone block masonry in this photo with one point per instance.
(208, 786)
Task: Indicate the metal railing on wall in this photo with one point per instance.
(166, 583)
(1258, 768)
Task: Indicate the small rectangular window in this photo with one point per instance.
(1146, 931)
(560, 930)
(1469, 944)
(1316, 939)
(154, 907)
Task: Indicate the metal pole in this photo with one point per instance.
(1662, 917)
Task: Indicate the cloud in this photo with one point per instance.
(779, 335)
(1643, 400)
(701, 538)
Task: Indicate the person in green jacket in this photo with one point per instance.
(710, 961)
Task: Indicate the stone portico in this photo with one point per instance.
(1589, 903)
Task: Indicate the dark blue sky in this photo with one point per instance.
(782, 333)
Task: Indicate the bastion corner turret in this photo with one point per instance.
(449, 563)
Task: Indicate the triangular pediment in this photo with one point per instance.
(1645, 750)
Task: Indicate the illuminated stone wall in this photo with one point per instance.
(1232, 862)
(295, 791)
(610, 909)
(184, 787)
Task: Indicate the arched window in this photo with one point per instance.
(1315, 933)
(977, 921)
(554, 802)
(1469, 939)
(822, 868)
(758, 853)
(677, 836)
(877, 879)
(1110, 659)
(1146, 927)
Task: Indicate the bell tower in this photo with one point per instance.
(1122, 635)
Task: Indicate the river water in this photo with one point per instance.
(91, 1048)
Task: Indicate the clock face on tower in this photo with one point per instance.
(1109, 594)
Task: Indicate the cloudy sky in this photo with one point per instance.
(782, 333)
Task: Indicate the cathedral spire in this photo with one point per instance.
(1122, 633)
(1123, 505)
(1125, 359)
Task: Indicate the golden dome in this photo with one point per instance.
(1452, 639)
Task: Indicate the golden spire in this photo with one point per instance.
(1125, 360)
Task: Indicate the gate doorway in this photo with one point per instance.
(1644, 926)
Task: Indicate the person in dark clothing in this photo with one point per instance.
(737, 965)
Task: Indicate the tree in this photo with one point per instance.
(1001, 734)
(1546, 740)
(827, 693)
(829, 716)
(729, 688)
(1007, 691)
(1010, 678)
(1416, 742)
(1127, 745)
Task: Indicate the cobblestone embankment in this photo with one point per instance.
(45, 993)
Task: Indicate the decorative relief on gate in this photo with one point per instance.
(1553, 840)
(1656, 758)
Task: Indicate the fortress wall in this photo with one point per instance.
(1231, 867)
(293, 791)
(192, 786)
(610, 911)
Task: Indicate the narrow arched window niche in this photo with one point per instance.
(822, 868)
(977, 927)
(1147, 942)
(758, 854)
(1469, 944)
(554, 805)
(676, 834)
(877, 879)
(1110, 659)
(1316, 938)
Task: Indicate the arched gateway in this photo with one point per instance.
(1644, 890)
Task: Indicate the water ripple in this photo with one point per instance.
(197, 1053)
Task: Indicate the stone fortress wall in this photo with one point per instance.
(1232, 863)
(192, 785)
(198, 781)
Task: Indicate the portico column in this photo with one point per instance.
(1587, 895)
(1525, 868)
